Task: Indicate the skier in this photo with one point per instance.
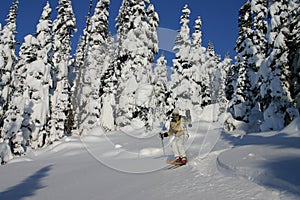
(177, 127)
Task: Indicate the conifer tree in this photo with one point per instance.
(108, 87)
(224, 68)
(96, 65)
(8, 58)
(208, 69)
(241, 103)
(259, 12)
(63, 29)
(260, 26)
(136, 47)
(161, 90)
(78, 99)
(29, 108)
(293, 44)
(275, 91)
(16, 126)
(151, 32)
(196, 71)
(183, 42)
(197, 51)
(181, 74)
(39, 81)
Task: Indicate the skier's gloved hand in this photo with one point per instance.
(190, 125)
(162, 135)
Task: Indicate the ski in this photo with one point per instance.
(174, 164)
(172, 167)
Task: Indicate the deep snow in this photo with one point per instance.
(118, 165)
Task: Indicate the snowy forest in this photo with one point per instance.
(46, 93)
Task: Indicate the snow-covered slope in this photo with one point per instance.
(270, 158)
(119, 166)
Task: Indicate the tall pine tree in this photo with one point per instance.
(293, 44)
(95, 66)
(241, 104)
(181, 74)
(39, 81)
(259, 12)
(276, 96)
(136, 47)
(63, 29)
(8, 58)
(161, 90)
(16, 125)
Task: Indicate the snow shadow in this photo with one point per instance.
(281, 161)
(283, 173)
(281, 140)
(27, 187)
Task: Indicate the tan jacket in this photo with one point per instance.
(177, 126)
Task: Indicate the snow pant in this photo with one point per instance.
(178, 146)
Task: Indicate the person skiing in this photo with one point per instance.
(177, 128)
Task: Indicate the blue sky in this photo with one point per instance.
(219, 19)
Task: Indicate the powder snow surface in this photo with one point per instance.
(116, 165)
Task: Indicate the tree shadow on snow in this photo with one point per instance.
(283, 174)
(282, 171)
(27, 187)
(280, 140)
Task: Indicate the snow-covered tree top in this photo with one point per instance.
(99, 22)
(44, 22)
(197, 35)
(12, 15)
(185, 15)
(46, 11)
(66, 18)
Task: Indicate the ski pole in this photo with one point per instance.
(162, 143)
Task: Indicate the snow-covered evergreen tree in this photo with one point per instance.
(294, 49)
(63, 29)
(8, 58)
(196, 72)
(208, 69)
(181, 74)
(151, 32)
(183, 42)
(259, 49)
(275, 90)
(44, 35)
(221, 77)
(161, 91)
(78, 99)
(260, 26)
(16, 126)
(28, 113)
(108, 89)
(231, 82)
(241, 104)
(39, 82)
(136, 47)
(197, 51)
(95, 67)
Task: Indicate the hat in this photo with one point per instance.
(175, 112)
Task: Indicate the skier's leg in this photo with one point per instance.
(175, 148)
(180, 145)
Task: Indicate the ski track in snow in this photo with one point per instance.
(75, 169)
